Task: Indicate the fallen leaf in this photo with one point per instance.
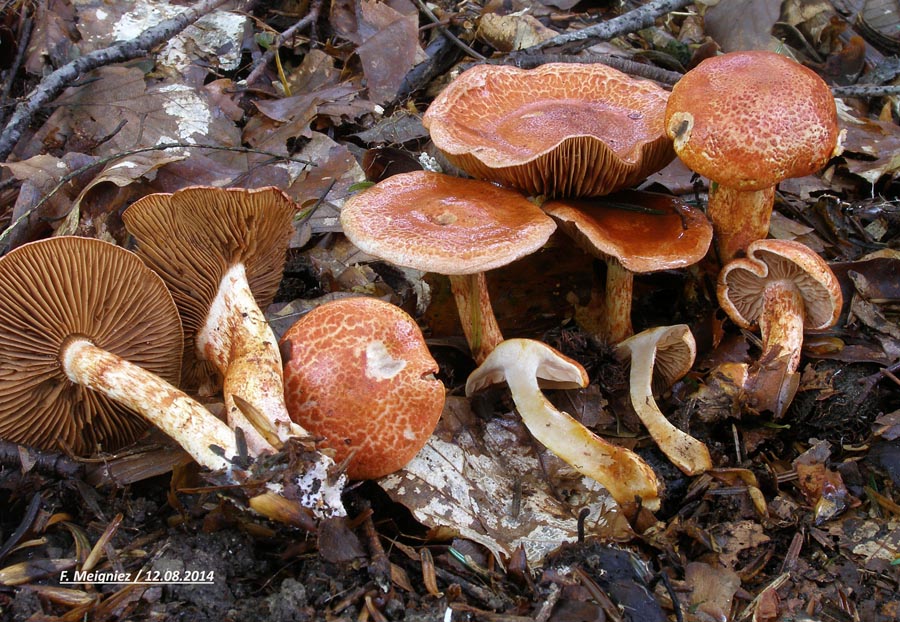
(486, 481)
(712, 591)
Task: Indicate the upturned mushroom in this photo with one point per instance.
(91, 343)
(451, 226)
(632, 232)
(784, 288)
(358, 375)
(222, 252)
(562, 129)
(748, 120)
(522, 363)
(657, 357)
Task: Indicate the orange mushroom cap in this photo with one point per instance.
(358, 374)
(444, 224)
(742, 283)
(562, 129)
(669, 235)
(748, 120)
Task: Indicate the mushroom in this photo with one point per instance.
(655, 232)
(748, 120)
(359, 375)
(785, 288)
(521, 363)
(562, 129)
(91, 345)
(658, 357)
(451, 226)
(221, 252)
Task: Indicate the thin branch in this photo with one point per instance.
(54, 84)
(625, 65)
(311, 17)
(465, 47)
(4, 237)
(866, 91)
(632, 21)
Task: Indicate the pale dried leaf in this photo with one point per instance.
(485, 480)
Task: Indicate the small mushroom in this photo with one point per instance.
(358, 374)
(785, 288)
(451, 226)
(521, 363)
(632, 232)
(222, 253)
(562, 129)
(91, 346)
(748, 120)
(658, 357)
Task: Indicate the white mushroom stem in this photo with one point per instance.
(476, 314)
(685, 451)
(238, 340)
(738, 217)
(172, 411)
(520, 362)
(774, 380)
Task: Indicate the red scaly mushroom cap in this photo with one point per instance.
(358, 374)
(748, 120)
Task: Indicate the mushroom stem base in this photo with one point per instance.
(738, 218)
(774, 379)
(172, 411)
(238, 340)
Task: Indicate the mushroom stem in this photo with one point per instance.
(616, 319)
(238, 340)
(738, 218)
(521, 362)
(172, 411)
(774, 380)
(685, 451)
(476, 314)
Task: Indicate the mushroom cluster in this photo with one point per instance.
(92, 352)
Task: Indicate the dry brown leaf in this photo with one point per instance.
(878, 142)
(712, 591)
(52, 37)
(734, 538)
(516, 31)
(114, 111)
(40, 175)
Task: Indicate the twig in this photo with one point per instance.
(54, 84)
(309, 19)
(641, 17)
(866, 90)
(634, 68)
(24, 38)
(442, 53)
(14, 455)
(444, 31)
(117, 156)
